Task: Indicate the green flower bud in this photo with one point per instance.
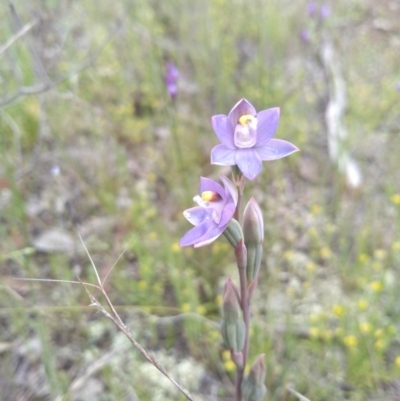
(253, 224)
(233, 334)
(253, 230)
(231, 310)
(253, 387)
(233, 232)
(232, 327)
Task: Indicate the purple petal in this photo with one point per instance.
(267, 124)
(209, 237)
(197, 215)
(276, 149)
(196, 233)
(227, 215)
(241, 108)
(209, 185)
(224, 130)
(230, 188)
(223, 156)
(249, 162)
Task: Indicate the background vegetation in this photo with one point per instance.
(90, 143)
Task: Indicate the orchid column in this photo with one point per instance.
(246, 141)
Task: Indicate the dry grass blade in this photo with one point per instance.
(298, 395)
(150, 358)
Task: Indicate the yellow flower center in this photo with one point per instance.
(246, 119)
(210, 196)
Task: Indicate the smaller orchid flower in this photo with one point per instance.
(171, 78)
(311, 8)
(246, 139)
(398, 87)
(216, 207)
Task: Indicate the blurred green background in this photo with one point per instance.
(91, 144)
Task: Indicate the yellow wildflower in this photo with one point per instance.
(350, 341)
(338, 310)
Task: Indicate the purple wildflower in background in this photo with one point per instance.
(311, 8)
(246, 139)
(216, 207)
(171, 78)
(324, 12)
(398, 87)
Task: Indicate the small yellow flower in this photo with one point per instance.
(175, 248)
(325, 252)
(151, 177)
(363, 258)
(288, 255)
(396, 246)
(380, 344)
(391, 329)
(316, 209)
(397, 361)
(152, 236)
(311, 267)
(350, 341)
(376, 286)
(365, 327)
(226, 355)
(312, 232)
(201, 310)
(380, 254)
(338, 310)
(185, 307)
(314, 332)
(218, 300)
(142, 285)
(395, 199)
(378, 333)
(229, 366)
(362, 304)
(314, 317)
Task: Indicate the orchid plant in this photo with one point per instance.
(246, 140)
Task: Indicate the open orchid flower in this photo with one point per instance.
(246, 139)
(216, 207)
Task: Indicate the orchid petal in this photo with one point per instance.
(241, 108)
(209, 185)
(230, 188)
(227, 214)
(223, 156)
(197, 215)
(224, 130)
(209, 237)
(196, 233)
(276, 149)
(267, 124)
(249, 163)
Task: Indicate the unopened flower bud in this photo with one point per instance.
(253, 224)
(233, 232)
(231, 310)
(232, 327)
(253, 230)
(233, 334)
(253, 387)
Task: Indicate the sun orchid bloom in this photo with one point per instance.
(216, 207)
(171, 78)
(246, 138)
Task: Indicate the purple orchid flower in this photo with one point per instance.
(324, 12)
(216, 207)
(171, 78)
(246, 138)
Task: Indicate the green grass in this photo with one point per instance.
(326, 313)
